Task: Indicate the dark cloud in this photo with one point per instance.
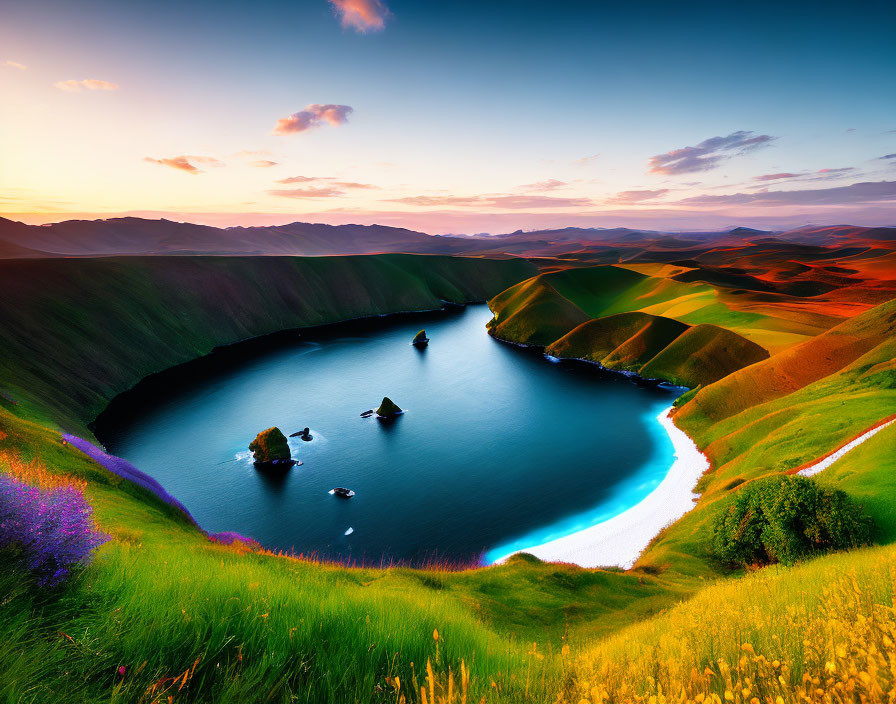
(866, 192)
(888, 156)
(709, 154)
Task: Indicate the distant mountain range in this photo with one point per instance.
(139, 236)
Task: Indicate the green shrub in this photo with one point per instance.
(786, 519)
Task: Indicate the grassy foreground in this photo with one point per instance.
(163, 614)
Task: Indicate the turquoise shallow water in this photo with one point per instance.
(498, 450)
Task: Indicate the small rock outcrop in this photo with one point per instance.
(303, 434)
(387, 408)
(271, 449)
(420, 339)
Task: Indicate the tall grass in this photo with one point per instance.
(820, 632)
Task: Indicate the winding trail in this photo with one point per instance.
(819, 465)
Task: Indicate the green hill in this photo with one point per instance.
(77, 332)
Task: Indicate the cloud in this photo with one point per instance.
(331, 181)
(437, 200)
(866, 192)
(586, 160)
(777, 177)
(186, 162)
(73, 86)
(362, 15)
(15, 64)
(708, 154)
(298, 179)
(517, 202)
(508, 202)
(353, 184)
(311, 192)
(312, 116)
(888, 156)
(638, 196)
(264, 163)
(551, 184)
(830, 173)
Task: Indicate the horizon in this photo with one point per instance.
(285, 220)
(667, 125)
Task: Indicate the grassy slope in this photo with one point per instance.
(160, 595)
(818, 632)
(606, 314)
(77, 332)
(778, 414)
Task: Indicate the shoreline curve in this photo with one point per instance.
(620, 540)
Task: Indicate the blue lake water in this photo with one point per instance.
(498, 448)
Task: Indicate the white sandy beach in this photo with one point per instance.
(620, 540)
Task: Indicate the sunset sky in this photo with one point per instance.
(454, 116)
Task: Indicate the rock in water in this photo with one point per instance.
(270, 448)
(420, 339)
(387, 408)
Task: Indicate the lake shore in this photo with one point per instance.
(620, 540)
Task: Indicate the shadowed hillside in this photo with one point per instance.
(78, 332)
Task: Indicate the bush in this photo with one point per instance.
(786, 519)
(48, 532)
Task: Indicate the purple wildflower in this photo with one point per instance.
(125, 470)
(52, 530)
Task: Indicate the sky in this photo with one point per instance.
(451, 116)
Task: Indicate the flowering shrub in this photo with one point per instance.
(49, 531)
(786, 519)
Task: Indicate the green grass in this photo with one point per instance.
(172, 607)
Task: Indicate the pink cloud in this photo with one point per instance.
(312, 116)
(74, 86)
(508, 202)
(312, 192)
(437, 200)
(638, 196)
(16, 65)
(551, 184)
(186, 163)
(264, 163)
(515, 202)
(330, 181)
(353, 184)
(361, 15)
(298, 179)
(586, 160)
